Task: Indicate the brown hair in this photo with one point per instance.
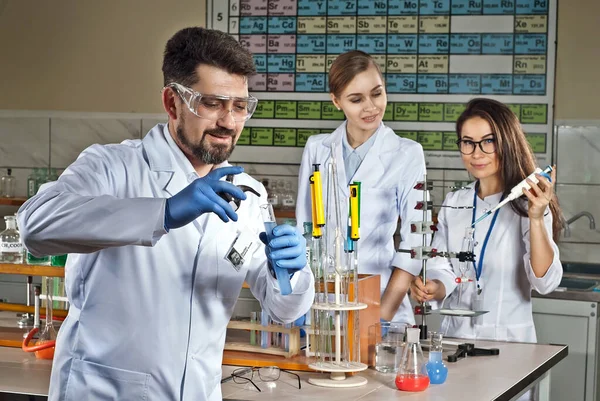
(346, 66)
(514, 153)
(190, 47)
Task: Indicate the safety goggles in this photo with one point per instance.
(215, 107)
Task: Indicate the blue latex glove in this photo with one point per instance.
(286, 250)
(201, 196)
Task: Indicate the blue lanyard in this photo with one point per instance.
(479, 266)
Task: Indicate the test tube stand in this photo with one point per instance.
(337, 367)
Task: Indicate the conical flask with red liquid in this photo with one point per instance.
(412, 372)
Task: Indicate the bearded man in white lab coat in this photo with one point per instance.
(160, 244)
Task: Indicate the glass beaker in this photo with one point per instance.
(412, 371)
(436, 368)
(388, 346)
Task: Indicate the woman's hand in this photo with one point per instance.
(540, 195)
(431, 290)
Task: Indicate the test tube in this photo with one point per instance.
(254, 318)
(283, 277)
(265, 338)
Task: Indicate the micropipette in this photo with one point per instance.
(517, 191)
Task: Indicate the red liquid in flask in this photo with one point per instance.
(412, 382)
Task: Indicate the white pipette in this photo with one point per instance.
(517, 191)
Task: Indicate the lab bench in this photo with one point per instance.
(518, 367)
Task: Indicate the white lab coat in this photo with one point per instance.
(149, 309)
(507, 277)
(388, 175)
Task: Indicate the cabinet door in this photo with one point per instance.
(571, 323)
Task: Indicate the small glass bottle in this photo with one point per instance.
(436, 368)
(412, 371)
(11, 247)
(272, 193)
(32, 183)
(7, 185)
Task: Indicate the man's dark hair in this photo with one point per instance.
(190, 47)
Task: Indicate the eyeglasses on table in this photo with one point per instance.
(265, 374)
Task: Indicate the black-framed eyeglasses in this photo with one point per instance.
(467, 146)
(265, 374)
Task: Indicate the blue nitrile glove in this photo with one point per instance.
(287, 249)
(201, 196)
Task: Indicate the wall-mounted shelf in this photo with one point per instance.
(32, 270)
(284, 213)
(12, 201)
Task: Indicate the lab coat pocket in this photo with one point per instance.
(235, 253)
(92, 381)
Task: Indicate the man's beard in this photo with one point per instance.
(204, 151)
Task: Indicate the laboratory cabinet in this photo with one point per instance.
(572, 323)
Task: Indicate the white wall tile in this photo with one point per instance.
(149, 123)
(578, 155)
(572, 252)
(574, 199)
(70, 136)
(25, 142)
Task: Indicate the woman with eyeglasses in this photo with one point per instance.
(388, 168)
(515, 249)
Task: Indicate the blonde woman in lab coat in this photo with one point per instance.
(515, 249)
(388, 168)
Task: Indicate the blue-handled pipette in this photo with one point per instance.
(517, 191)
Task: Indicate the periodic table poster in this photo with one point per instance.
(436, 55)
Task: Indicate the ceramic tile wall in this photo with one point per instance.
(55, 141)
(578, 187)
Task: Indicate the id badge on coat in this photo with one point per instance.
(240, 248)
(477, 304)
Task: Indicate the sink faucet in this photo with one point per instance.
(576, 217)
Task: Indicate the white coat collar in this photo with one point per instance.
(370, 166)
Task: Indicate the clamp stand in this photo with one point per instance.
(468, 349)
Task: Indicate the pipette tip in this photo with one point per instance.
(483, 216)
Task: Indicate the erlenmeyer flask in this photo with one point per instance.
(48, 333)
(412, 372)
(436, 368)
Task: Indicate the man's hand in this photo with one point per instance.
(287, 248)
(201, 196)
